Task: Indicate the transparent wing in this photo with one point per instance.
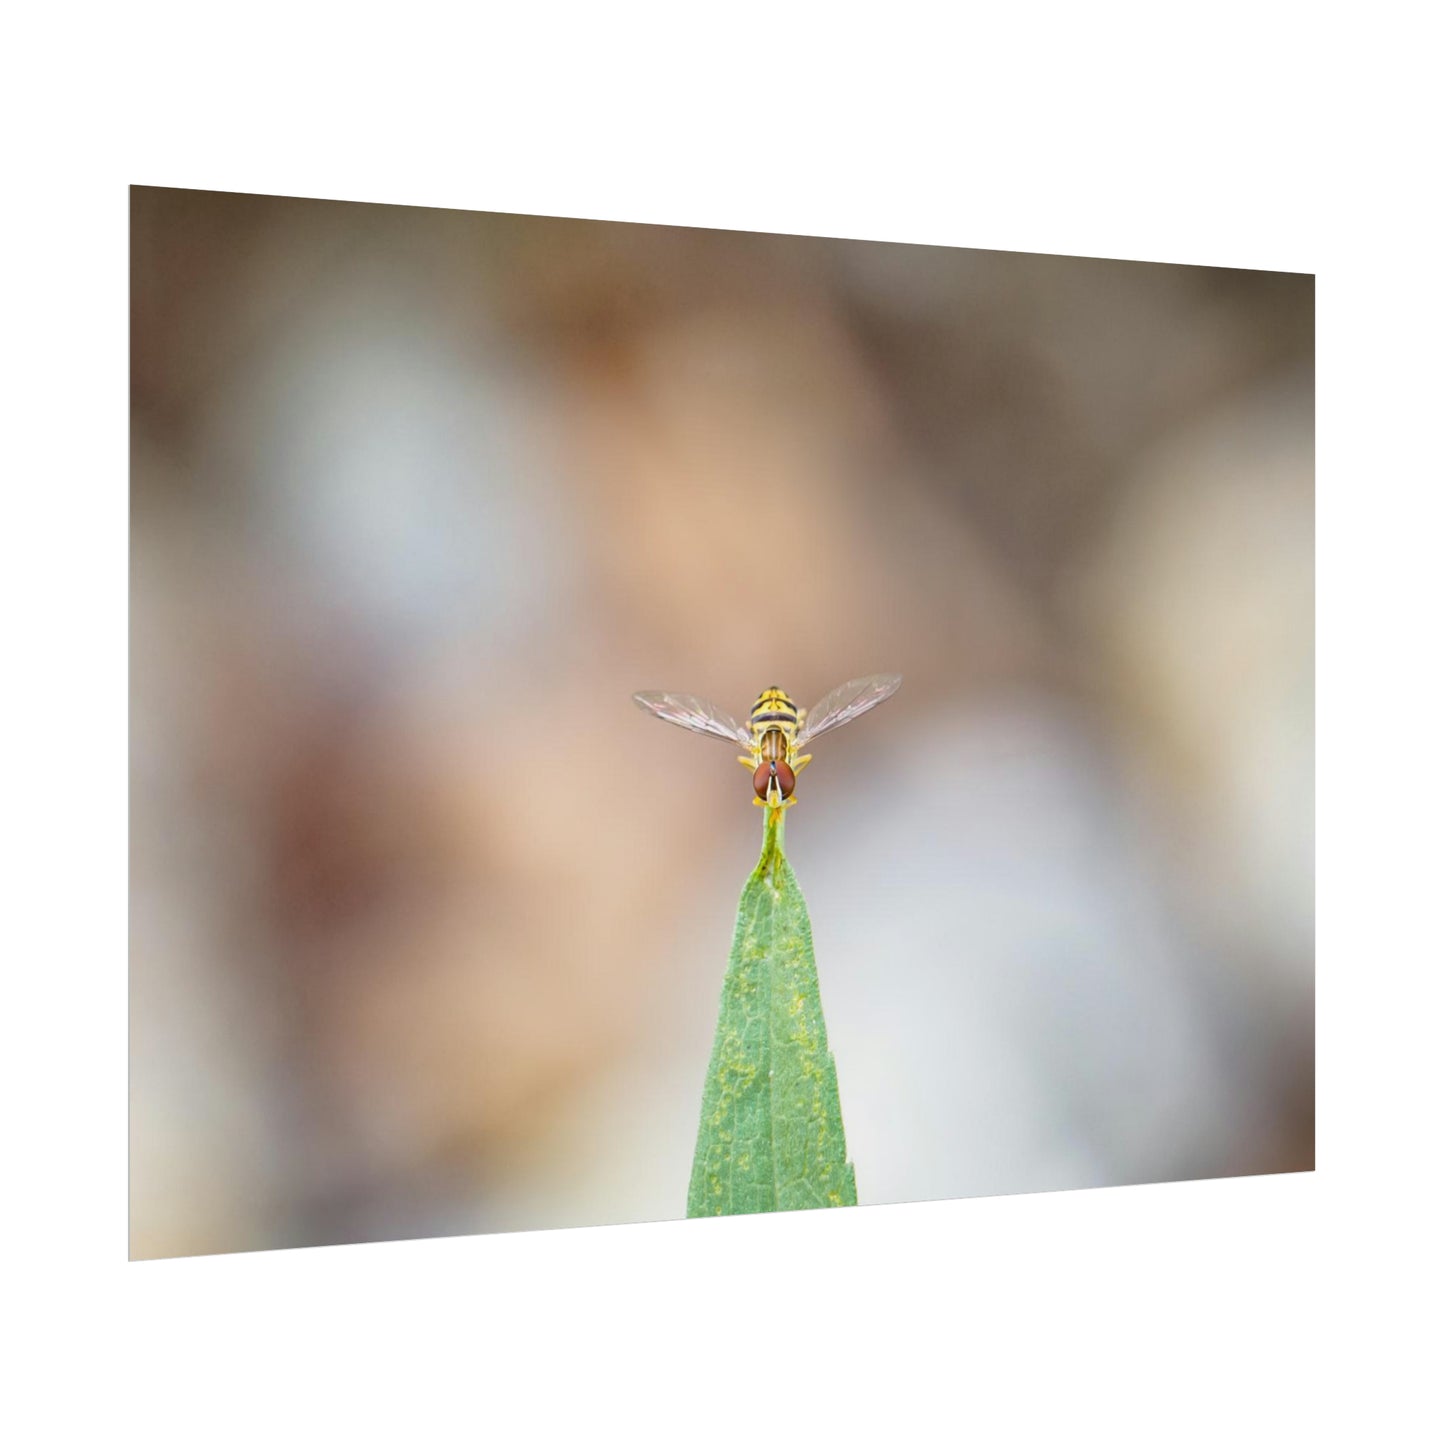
(694, 713)
(845, 703)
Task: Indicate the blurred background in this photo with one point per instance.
(429, 923)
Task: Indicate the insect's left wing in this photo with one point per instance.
(694, 713)
(845, 703)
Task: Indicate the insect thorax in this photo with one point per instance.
(774, 723)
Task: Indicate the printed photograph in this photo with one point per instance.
(632, 723)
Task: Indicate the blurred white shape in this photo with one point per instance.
(388, 463)
(1009, 1005)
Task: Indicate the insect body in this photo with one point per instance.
(773, 723)
(776, 731)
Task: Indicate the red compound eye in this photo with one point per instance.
(769, 773)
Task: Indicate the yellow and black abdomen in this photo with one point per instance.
(774, 723)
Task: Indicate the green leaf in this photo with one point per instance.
(771, 1135)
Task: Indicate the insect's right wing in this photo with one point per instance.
(694, 713)
(845, 703)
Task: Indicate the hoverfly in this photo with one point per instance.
(777, 731)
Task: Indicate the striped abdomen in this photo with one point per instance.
(774, 723)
